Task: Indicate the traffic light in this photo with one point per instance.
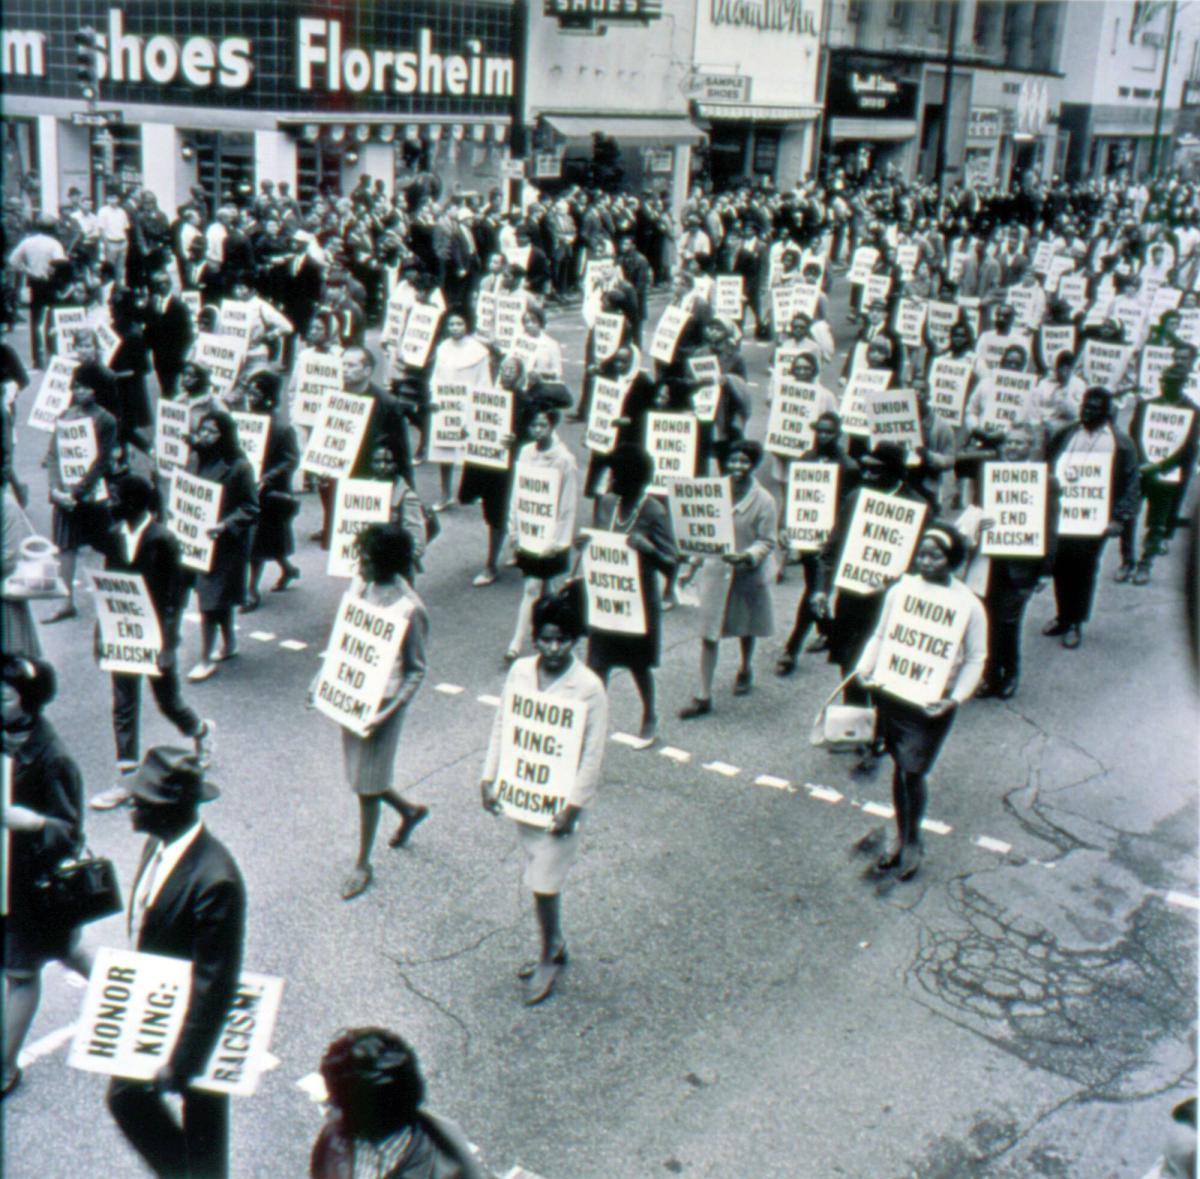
(87, 49)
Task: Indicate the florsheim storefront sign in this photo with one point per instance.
(443, 56)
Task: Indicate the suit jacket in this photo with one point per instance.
(300, 292)
(199, 915)
(169, 334)
(158, 562)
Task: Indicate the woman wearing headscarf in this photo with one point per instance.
(216, 456)
(913, 734)
(735, 597)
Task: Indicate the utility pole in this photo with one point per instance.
(1162, 93)
(947, 93)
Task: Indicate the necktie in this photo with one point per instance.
(142, 893)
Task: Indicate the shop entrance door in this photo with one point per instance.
(225, 167)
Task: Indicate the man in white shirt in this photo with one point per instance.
(36, 257)
(114, 234)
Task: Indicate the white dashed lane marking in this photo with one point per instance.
(993, 845)
(773, 782)
(293, 645)
(878, 810)
(681, 756)
(490, 701)
(723, 768)
(631, 740)
(822, 793)
(262, 636)
(449, 689)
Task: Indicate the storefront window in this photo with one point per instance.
(19, 166)
(117, 158)
(318, 170)
(225, 166)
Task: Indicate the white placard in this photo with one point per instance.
(783, 300)
(448, 423)
(336, 439)
(861, 385)
(948, 382)
(171, 424)
(894, 416)
(1014, 496)
(75, 444)
(606, 335)
(130, 636)
(919, 650)
(1072, 289)
(317, 373)
(727, 302)
(222, 356)
(672, 441)
(910, 321)
(1152, 360)
(1011, 401)
(614, 588)
(1086, 493)
(907, 257)
(666, 334)
(1023, 300)
(53, 395)
(1043, 255)
(363, 646)
(536, 492)
(794, 408)
(707, 371)
(489, 420)
(878, 286)
(879, 542)
(66, 321)
(193, 301)
(863, 263)
(608, 398)
(510, 309)
(1164, 431)
(419, 334)
(811, 506)
(195, 507)
(541, 742)
(356, 503)
(942, 317)
(1104, 364)
(393, 327)
(254, 432)
(236, 319)
(1056, 338)
(702, 516)
(485, 316)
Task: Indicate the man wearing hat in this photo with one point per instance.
(187, 901)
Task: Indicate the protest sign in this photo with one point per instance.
(813, 258)
(729, 297)
(194, 508)
(1152, 360)
(1060, 265)
(510, 310)
(53, 395)
(608, 398)
(707, 371)
(783, 299)
(363, 646)
(666, 334)
(910, 321)
(671, 441)
(222, 356)
(863, 263)
(419, 333)
(237, 319)
(76, 447)
(108, 340)
(794, 408)
(1189, 325)
(613, 581)
(1085, 498)
(854, 399)
(1011, 400)
(1164, 431)
(606, 335)
(948, 381)
(356, 503)
(1014, 496)
(485, 316)
(394, 322)
(879, 542)
(1029, 305)
(811, 505)
(130, 638)
(894, 416)
(489, 420)
(925, 631)
(1043, 254)
(448, 423)
(540, 746)
(702, 516)
(171, 423)
(907, 257)
(1072, 289)
(536, 492)
(193, 301)
(1164, 299)
(525, 349)
(877, 287)
(1132, 318)
(134, 1011)
(1104, 364)
(942, 316)
(254, 431)
(65, 322)
(597, 274)
(1053, 339)
(317, 373)
(806, 297)
(337, 437)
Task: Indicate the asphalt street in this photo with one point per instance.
(741, 998)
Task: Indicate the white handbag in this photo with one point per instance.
(37, 573)
(843, 727)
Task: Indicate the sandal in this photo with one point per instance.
(408, 826)
(785, 665)
(559, 958)
(487, 577)
(357, 883)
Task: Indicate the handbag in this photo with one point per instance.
(284, 502)
(433, 525)
(843, 727)
(37, 573)
(78, 891)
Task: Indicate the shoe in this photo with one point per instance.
(1008, 688)
(1141, 575)
(1055, 629)
(356, 883)
(206, 743)
(110, 799)
(910, 860)
(1072, 637)
(669, 603)
(252, 603)
(743, 683)
(541, 983)
(444, 505)
(10, 1083)
(559, 958)
(785, 665)
(890, 860)
(697, 707)
(1124, 573)
(285, 580)
(512, 655)
(487, 577)
(408, 826)
(226, 655)
(63, 615)
(318, 538)
(649, 731)
(819, 644)
(201, 672)
(987, 690)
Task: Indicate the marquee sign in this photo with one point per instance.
(587, 14)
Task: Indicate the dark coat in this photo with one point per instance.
(1124, 500)
(225, 585)
(169, 335)
(158, 562)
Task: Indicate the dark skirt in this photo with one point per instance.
(87, 524)
(851, 626)
(273, 537)
(225, 587)
(911, 736)
(491, 488)
(608, 649)
(543, 567)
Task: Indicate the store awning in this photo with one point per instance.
(660, 132)
(751, 113)
(872, 129)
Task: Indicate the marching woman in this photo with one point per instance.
(549, 852)
(273, 538)
(911, 733)
(638, 399)
(544, 452)
(631, 510)
(216, 456)
(460, 359)
(545, 355)
(735, 596)
(612, 302)
(385, 580)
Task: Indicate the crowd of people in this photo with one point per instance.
(1042, 338)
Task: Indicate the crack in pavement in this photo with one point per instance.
(439, 1007)
(470, 948)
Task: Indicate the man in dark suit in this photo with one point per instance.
(300, 281)
(188, 901)
(169, 331)
(138, 543)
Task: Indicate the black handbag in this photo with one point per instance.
(78, 891)
(283, 502)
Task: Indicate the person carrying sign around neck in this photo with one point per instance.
(935, 457)
(376, 1125)
(44, 821)
(639, 400)
(875, 331)
(732, 409)
(735, 597)
(217, 457)
(1077, 560)
(984, 432)
(912, 733)
(614, 301)
(459, 359)
(273, 537)
(188, 901)
(1057, 396)
(139, 544)
(826, 448)
(549, 852)
(540, 570)
(81, 515)
(676, 374)
(643, 518)
(1166, 432)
